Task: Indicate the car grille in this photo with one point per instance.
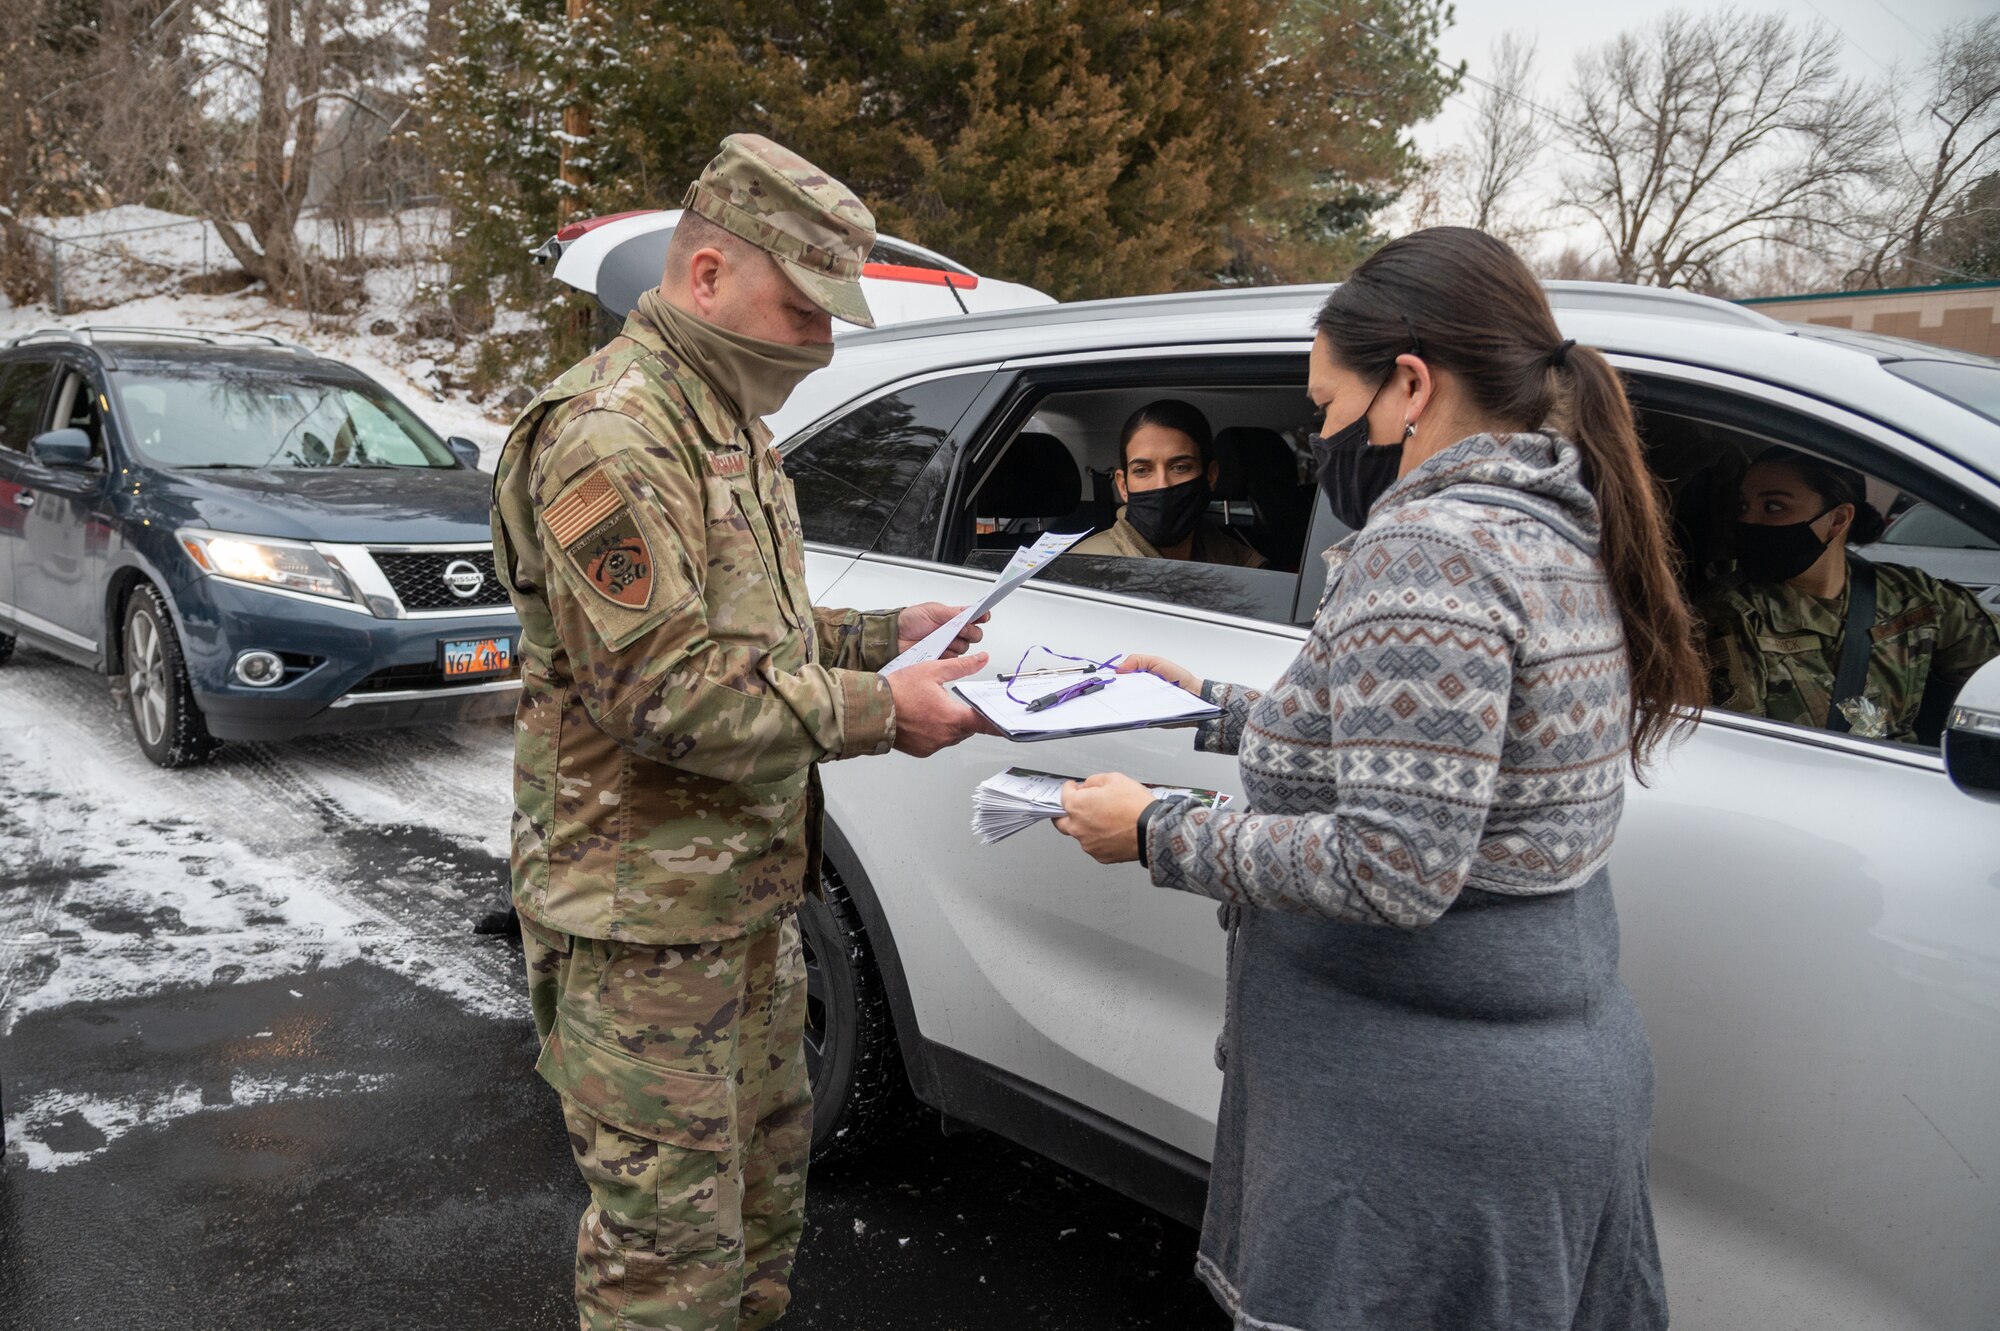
(418, 577)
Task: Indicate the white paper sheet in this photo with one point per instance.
(1027, 561)
(1017, 798)
(1126, 702)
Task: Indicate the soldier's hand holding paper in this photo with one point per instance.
(920, 621)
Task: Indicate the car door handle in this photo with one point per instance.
(25, 499)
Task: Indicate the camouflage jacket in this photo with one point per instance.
(1773, 651)
(677, 683)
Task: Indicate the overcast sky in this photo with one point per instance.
(1878, 35)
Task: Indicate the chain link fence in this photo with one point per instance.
(83, 266)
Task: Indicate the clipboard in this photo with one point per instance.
(1133, 701)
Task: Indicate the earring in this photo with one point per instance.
(1409, 431)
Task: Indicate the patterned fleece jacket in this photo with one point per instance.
(1460, 715)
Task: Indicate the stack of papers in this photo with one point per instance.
(1016, 798)
(1027, 561)
(1126, 702)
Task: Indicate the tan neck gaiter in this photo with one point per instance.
(749, 376)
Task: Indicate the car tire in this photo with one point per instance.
(165, 718)
(861, 1094)
(6, 648)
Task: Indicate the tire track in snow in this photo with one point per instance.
(117, 878)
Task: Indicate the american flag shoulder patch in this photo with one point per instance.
(599, 532)
(582, 507)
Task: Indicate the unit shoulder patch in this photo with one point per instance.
(597, 530)
(1914, 617)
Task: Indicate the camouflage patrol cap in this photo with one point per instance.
(815, 228)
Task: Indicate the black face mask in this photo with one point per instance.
(1777, 554)
(1353, 472)
(1167, 516)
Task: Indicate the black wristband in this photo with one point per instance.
(1146, 821)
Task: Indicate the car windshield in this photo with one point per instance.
(1974, 386)
(227, 417)
(1926, 525)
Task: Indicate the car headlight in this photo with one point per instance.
(291, 566)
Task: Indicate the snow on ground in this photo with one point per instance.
(114, 1116)
(136, 266)
(118, 879)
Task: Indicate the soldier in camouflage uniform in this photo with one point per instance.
(678, 688)
(1775, 630)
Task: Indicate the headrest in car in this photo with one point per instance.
(1250, 458)
(1036, 478)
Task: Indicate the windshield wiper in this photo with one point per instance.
(215, 466)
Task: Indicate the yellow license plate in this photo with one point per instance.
(474, 658)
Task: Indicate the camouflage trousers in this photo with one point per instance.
(684, 1088)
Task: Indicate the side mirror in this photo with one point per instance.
(465, 451)
(63, 448)
(1972, 736)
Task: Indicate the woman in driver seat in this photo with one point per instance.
(1776, 630)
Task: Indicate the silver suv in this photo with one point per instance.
(1811, 921)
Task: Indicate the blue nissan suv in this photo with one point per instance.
(254, 542)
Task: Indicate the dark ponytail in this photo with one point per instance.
(1465, 303)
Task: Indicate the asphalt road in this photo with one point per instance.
(258, 1073)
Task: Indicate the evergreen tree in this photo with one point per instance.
(1968, 241)
(1085, 147)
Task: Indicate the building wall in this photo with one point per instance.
(1966, 318)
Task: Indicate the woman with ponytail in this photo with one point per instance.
(1437, 1094)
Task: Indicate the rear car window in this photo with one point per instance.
(217, 417)
(1974, 387)
(905, 256)
(851, 474)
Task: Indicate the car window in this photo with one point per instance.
(76, 408)
(1254, 593)
(1975, 387)
(24, 386)
(1052, 464)
(1773, 638)
(889, 250)
(214, 416)
(851, 474)
(1925, 524)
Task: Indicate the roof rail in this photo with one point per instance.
(44, 335)
(91, 333)
(1220, 300)
(1610, 297)
(1667, 302)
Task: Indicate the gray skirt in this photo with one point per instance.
(1439, 1128)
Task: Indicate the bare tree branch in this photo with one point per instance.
(1701, 135)
(1949, 142)
(1508, 135)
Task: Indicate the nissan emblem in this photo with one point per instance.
(464, 578)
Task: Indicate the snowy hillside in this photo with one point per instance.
(140, 266)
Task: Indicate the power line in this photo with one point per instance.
(1844, 37)
(1467, 74)
(1900, 19)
